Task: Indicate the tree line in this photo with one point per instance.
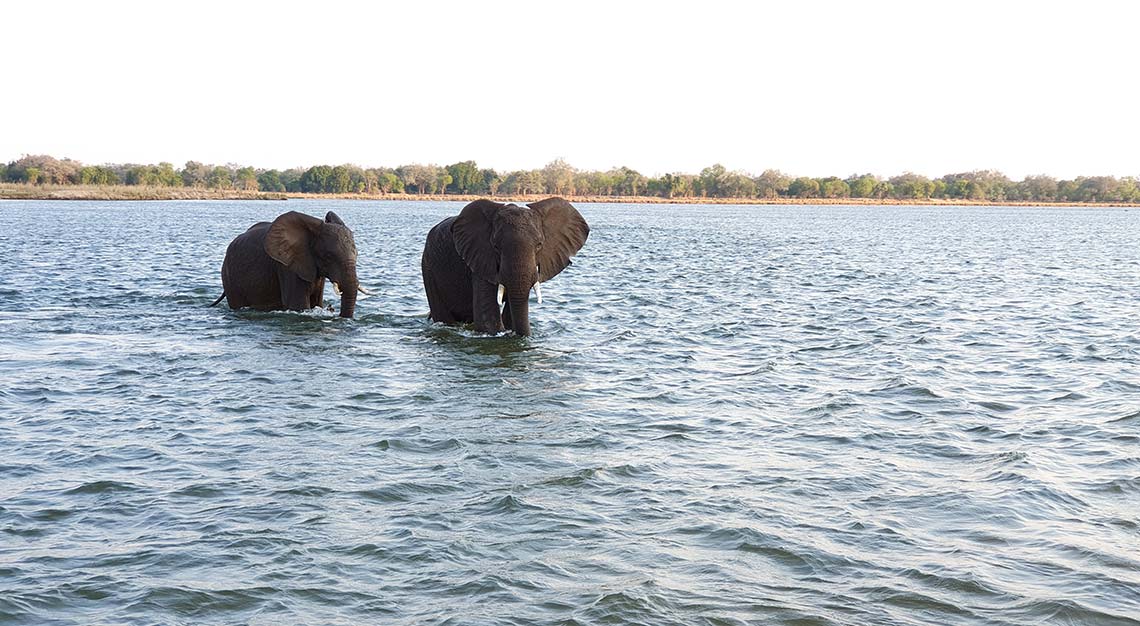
(560, 178)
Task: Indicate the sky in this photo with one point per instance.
(811, 88)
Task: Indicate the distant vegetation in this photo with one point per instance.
(560, 178)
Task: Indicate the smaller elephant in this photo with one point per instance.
(493, 253)
(283, 264)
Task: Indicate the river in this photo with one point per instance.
(725, 415)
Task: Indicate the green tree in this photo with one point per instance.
(167, 176)
(315, 179)
(220, 178)
(339, 180)
(389, 182)
(369, 183)
(711, 181)
(772, 184)
(246, 178)
(1129, 190)
(420, 178)
(804, 187)
(604, 183)
(141, 175)
(513, 182)
(442, 180)
(669, 186)
(524, 182)
(862, 186)
(358, 180)
(1097, 189)
(630, 182)
(978, 185)
(1038, 189)
(195, 174)
(96, 175)
(428, 178)
(910, 186)
(558, 178)
(270, 180)
(738, 185)
(832, 187)
(407, 175)
(533, 182)
(291, 178)
(491, 181)
(465, 177)
(687, 185)
(957, 187)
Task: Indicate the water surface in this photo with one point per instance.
(726, 415)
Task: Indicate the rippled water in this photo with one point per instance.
(726, 415)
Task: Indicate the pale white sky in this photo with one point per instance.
(811, 88)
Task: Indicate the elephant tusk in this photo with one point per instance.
(363, 290)
(502, 291)
(336, 288)
(537, 282)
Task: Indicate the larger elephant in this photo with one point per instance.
(480, 265)
(283, 264)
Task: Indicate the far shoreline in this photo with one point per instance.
(15, 191)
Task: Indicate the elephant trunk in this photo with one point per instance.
(519, 299)
(348, 290)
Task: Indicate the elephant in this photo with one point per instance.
(283, 264)
(491, 250)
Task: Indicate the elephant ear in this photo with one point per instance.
(333, 218)
(565, 232)
(472, 234)
(289, 243)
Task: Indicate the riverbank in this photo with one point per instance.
(14, 191)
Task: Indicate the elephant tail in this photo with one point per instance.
(219, 299)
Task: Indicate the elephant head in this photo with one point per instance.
(313, 249)
(517, 248)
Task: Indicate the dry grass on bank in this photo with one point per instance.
(17, 191)
(690, 200)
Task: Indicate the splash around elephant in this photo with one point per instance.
(480, 265)
(283, 264)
